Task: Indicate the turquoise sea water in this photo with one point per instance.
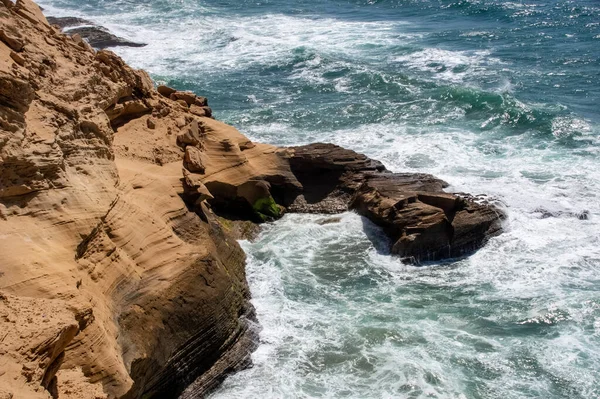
(493, 96)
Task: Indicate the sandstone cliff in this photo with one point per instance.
(104, 270)
(117, 277)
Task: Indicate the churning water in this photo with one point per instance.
(493, 96)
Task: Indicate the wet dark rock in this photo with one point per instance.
(545, 213)
(100, 38)
(97, 36)
(423, 222)
(330, 176)
(65, 22)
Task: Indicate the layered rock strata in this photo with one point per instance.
(111, 286)
(119, 204)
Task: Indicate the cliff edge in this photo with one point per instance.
(111, 286)
(119, 275)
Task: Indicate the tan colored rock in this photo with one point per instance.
(36, 332)
(201, 101)
(254, 190)
(180, 122)
(127, 109)
(195, 160)
(17, 58)
(198, 111)
(77, 38)
(165, 91)
(11, 41)
(201, 111)
(247, 145)
(91, 212)
(194, 187)
(32, 12)
(187, 96)
(192, 134)
(151, 123)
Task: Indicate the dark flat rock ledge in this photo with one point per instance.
(97, 36)
(423, 221)
(65, 22)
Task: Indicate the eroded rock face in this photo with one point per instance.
(37, 333)
(92, 216)
(423, 221)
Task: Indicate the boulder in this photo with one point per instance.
(11, 41)
(165, 91)
(151, 123)
(201, 101)
(16, 57)
(191, 135)
(126, 110)
(187, 96)
(194, 160)
(180, 122)
(201, 111)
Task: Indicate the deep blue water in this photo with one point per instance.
(493, 96)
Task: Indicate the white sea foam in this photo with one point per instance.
(453, 66)
(530, 270)
(212, 43)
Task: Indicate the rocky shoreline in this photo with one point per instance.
(120, 205)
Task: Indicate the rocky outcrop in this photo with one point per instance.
(119, 209)
(97, 36)
(423, 221)
(92, 217)
(197, 105)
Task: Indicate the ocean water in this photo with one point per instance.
(495, 97)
